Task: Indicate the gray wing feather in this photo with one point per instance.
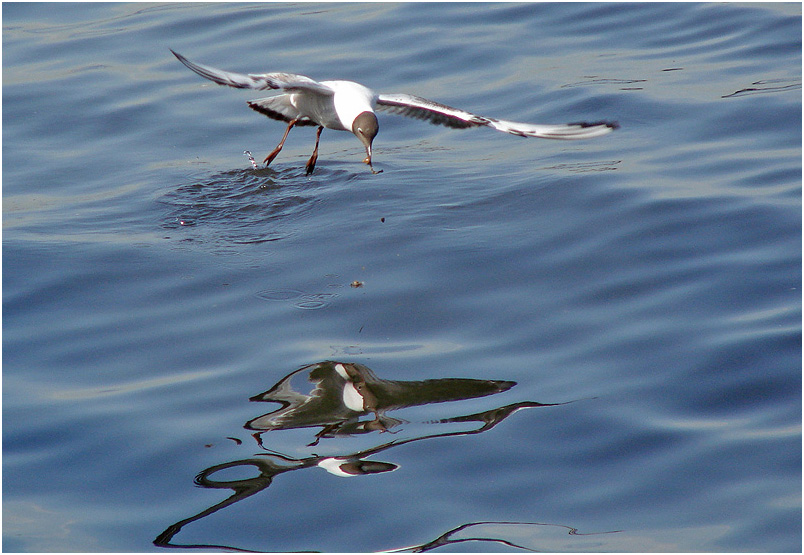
(421, 108)
(441, 114)
(284, 81)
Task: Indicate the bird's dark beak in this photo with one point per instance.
(365, 128)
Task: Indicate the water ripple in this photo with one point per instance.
(300, 299)
(239, 206)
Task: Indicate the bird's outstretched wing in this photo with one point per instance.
(421, 108)
(284, 81)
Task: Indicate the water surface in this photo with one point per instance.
(635, 298)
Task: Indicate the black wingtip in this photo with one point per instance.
(610, 124)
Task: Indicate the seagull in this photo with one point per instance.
(349, 106)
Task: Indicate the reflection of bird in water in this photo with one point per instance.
(343, 392)
(495, 536)
(272, 463)
(349, 106)
(346, 467)
(357, 396)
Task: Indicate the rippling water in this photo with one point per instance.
(495, 344)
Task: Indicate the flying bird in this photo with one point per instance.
(349, 106)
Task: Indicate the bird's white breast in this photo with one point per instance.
(351, 99)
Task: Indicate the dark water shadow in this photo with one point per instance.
(346, 399)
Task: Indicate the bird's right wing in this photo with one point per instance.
(285, 81)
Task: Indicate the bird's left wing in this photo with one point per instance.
(421, 108)
(284, 81)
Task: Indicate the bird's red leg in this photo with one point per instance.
(311, 162)
(274, 152)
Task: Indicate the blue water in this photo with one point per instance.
(642, 289)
